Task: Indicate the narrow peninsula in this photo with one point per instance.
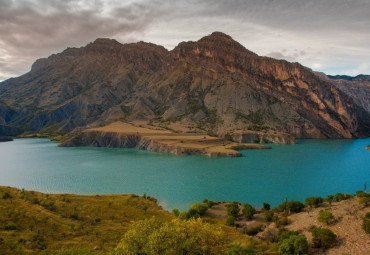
(127, 135)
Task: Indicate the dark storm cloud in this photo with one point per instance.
(30, 29)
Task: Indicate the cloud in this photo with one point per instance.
(33, 29)
(295, 30)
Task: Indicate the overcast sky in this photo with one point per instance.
(332, 36)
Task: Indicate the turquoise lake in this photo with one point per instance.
(309, 168)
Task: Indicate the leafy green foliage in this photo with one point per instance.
(366, 223)
(230, 221)
(340, 196)
(239, 250)
(268, 216)
(176, 212)
(248, 211)
(323, 238)
(152, 237)
(233, 209)
(209, 203)
(294, 244)
(325, 217)
(292, 206)
(266, 206)
(252, 231)
(313, 201)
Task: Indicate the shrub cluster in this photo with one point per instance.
(313, 201)
(196, 211)
(325, 217)
(292, 206)
(292, 243)
(366, 223)
(323, 238)
(248, 211)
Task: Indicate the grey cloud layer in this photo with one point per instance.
(336, 28)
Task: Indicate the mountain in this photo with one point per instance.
(357, 87)
(213, 85)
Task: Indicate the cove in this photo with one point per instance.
(308, 168)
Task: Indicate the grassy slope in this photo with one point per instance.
(73, 220)
(55, 221)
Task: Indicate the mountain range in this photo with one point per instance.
(213, 85)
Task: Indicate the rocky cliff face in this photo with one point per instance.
(213, 85)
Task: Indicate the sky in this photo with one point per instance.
(331, 36)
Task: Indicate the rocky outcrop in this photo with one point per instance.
(212, 85)
(262, 137)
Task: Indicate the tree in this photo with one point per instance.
(266, 206)
(196, 210)
(192, 237)
(323, 238)
(325, 217)
(292, 206)
(248, 211)
(294, 244)
(176, 212)
(233, 209)
(313, 201)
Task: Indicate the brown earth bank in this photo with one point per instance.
(125, 135)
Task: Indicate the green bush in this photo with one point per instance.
(365, 200)
(252, 231)
(233, 209)
(360, 193)
(10, 226)
(7, 195)
(340, 196)
(286, 234)
(282, 221)
(366, 223)
(239, 250)
(209, 203)
(176, 212)
(268, 216)
(153, 237)
(292, 206)
(325, 217)
(323, 238)
(313, 201)
(197, 210)
(295, 244)
(330, 198)
(230, 221)
(248, 211)
(266, 206)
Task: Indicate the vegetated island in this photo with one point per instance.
(128, 135)
(65, 224)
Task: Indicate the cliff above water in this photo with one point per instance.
(213, 85)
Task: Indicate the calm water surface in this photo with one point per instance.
(309, 168)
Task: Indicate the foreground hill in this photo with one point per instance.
(66, 224)
(213, 85)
